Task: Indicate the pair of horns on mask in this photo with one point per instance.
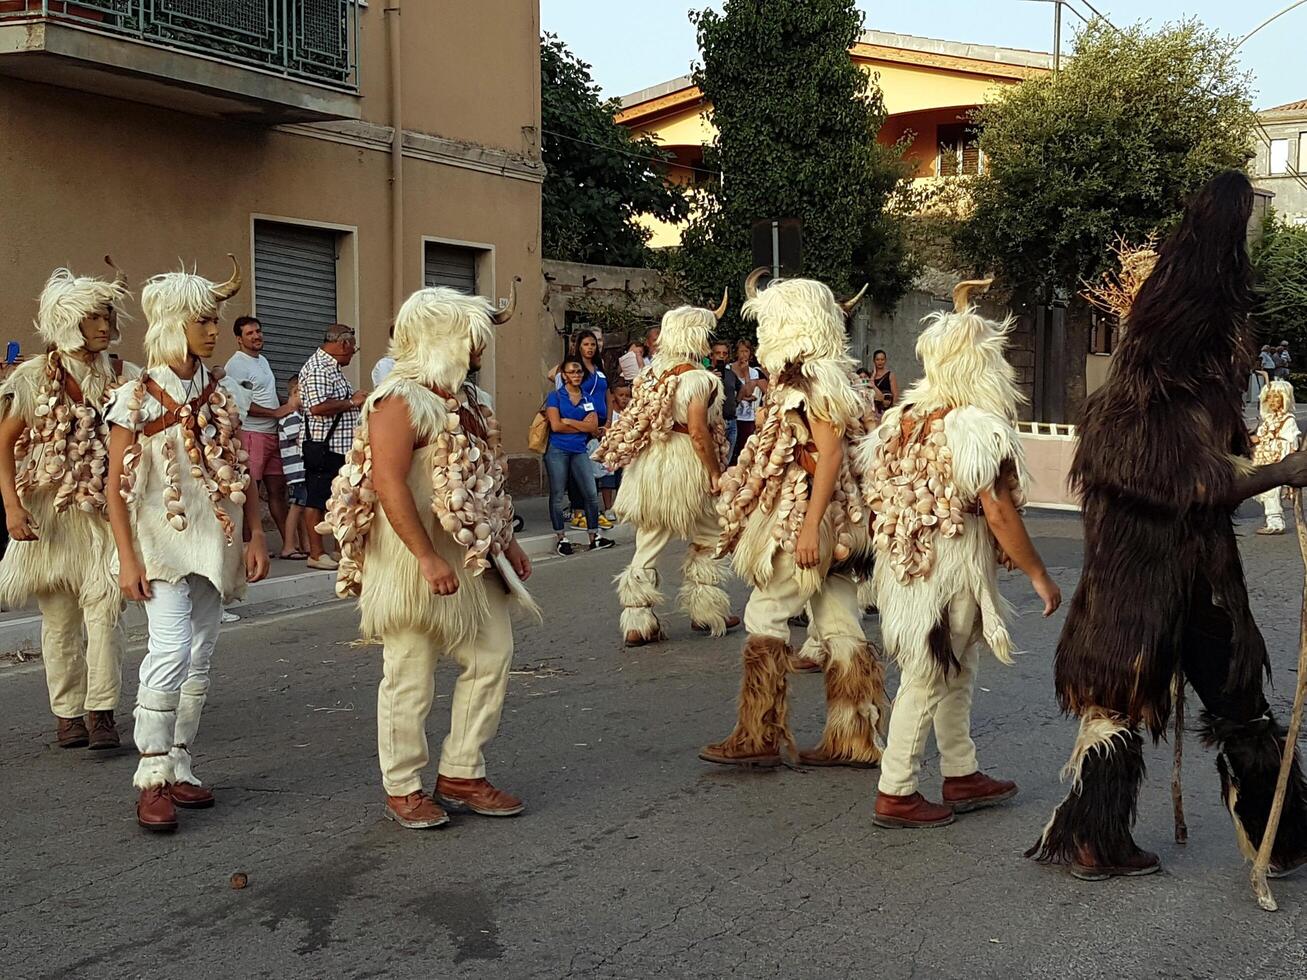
(221, 292)
(751, 290)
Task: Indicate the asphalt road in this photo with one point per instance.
(633, 859)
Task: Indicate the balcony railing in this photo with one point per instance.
(308, 40)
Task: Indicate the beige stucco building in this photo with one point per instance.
(184, 131)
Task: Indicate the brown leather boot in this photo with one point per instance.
(104, 733)
(71, 733)
(1087, 867)
(732, 623)
(154, 809)
(974, 792)
(913, 811)
(478, 796)
(417, 811)
(191, 797)
(804, 665)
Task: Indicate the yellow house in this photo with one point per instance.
(929, 87)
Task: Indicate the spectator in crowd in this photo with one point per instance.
(731, 385)
(633, 361)
(609, 481)
(573, 421)
(331, 409)
(864, 375)
(251, 370)
(882, 378)
(651, 341)
(384, 365)
(752, 389)
(1266, 364)
(290, 432)
(1283, 361)
(586, 347)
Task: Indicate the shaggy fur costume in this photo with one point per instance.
(1163, 587)
(664, 491)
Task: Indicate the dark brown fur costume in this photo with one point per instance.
(1162, 585)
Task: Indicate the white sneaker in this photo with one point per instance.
(230, 617)
(324, 564)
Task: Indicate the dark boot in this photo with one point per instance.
(911, 812)
(155, 811)
(104, 733)
(189, 796)
(974, 792)
(71, 733)
(1087, 867)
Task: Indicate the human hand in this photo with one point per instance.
(518, 559)
(1295, 467)
(358, 398)
(714, 483)
(439, 574)
(1047, 590)
(132, 580)
(256, 558)
(807, 550)
(22, 525)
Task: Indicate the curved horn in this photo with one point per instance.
(849, 305)
(505, 311)
(721, 310)
(751, 283)
(232, 286)
(962, 292)
(119, 277)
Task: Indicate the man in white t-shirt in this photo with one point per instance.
(251, 370)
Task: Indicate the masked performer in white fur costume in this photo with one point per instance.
(1163, 586)
(671, 444)
(792, 513)
(1277, 436)
(179, 510)
(946, 476)
(436, 565)
(54, 455)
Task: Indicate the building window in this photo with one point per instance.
(1302, 152)
(958, 151)
(295, 291)
(454, 266)
(1102, 334)
(1279, 157)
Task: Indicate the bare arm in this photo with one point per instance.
(259, 412)
(894, 387)
(701, 437)
(391, 438)
(336, 405)
(256, 544)
(1009, 530)
(830, 454)
(131, 573)
(1289, 472)
(19, 521)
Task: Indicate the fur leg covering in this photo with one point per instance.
(763, 726)
(1248, 760)
(189, 708)
(637, 591)
(156, 720)
(857, 709)
(1105, 771)
(701, 595)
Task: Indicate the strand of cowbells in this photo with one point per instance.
(67, 446)
(212, 449)
(468, 499)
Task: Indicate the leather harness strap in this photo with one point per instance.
(172, 410)
(676, 372)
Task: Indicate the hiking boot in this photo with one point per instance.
(154, 809)
(71, 733)
(417, 811)
(913, 812)
(191, 797)
(478, 796)
(103, 731)
(966, 793)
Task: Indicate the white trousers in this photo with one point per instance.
(408, 687)
(1274, 507)
(929, 697)
(81, 674)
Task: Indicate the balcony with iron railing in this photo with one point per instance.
(270, 60)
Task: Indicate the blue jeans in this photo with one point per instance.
(559, 464)
(731, 432)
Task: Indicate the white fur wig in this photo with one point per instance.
(685, 333)
(172, 300)
(1284, 390)
(435, 332)
(67, 300)
(962, 356)
(798, 320)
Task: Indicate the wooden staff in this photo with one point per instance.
(1263, 862)
(1177, 794)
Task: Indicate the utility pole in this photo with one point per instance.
(1057, 35)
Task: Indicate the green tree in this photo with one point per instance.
(599, 177)
(1112, 145)
(796, 125)
(1280, 258)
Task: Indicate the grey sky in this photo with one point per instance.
(636, 43)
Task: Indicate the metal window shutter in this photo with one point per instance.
(449, 265)
(294, 292)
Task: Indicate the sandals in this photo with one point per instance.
(293, 556)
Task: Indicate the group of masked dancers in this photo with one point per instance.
(127, 484)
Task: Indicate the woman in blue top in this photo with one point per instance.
(573, 421)
(585, 346)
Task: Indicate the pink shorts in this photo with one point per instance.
(265, 456)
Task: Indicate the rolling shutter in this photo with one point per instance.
(449, 265)
(294, 292)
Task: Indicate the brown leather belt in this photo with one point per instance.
(806, 456)
(172, 410)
